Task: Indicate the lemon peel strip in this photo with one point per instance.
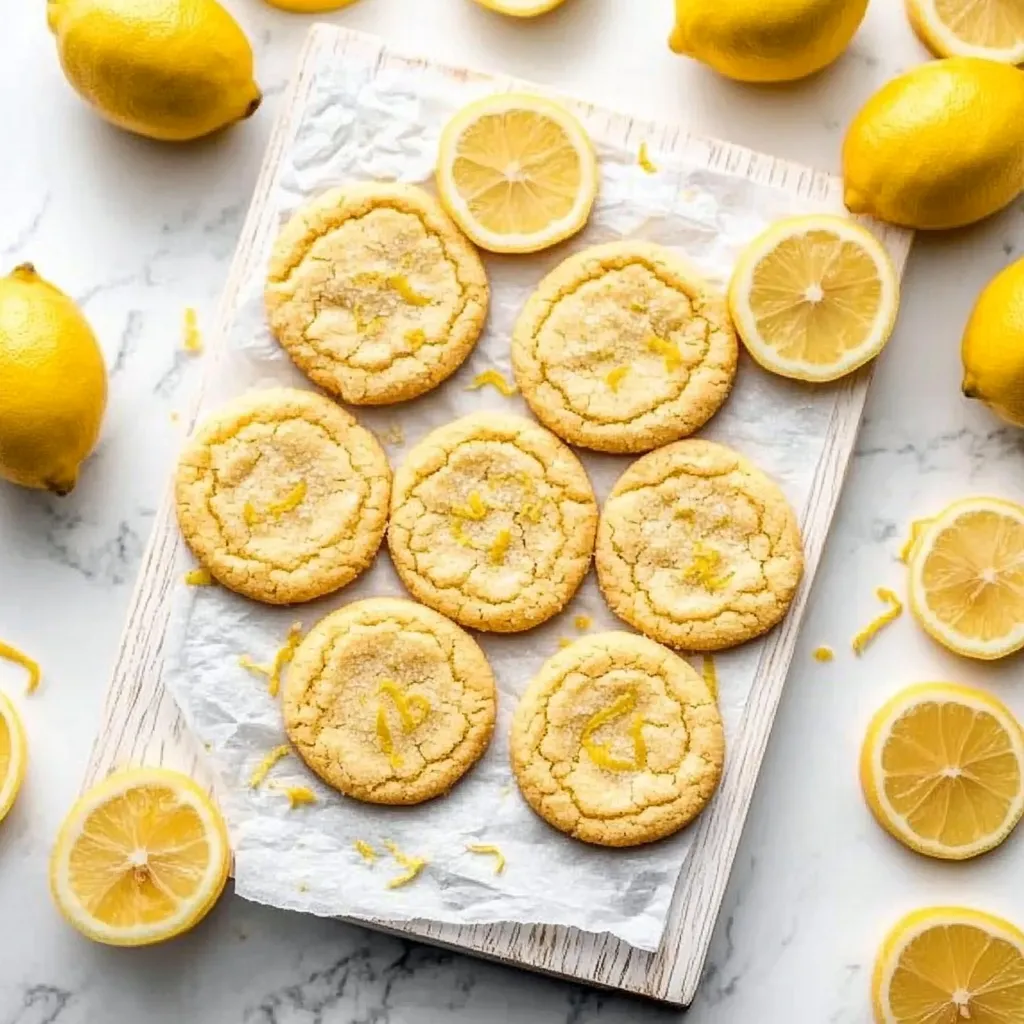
(262, 770)
(599, 752)
(499, 549)
(30, 665)
(400, 283)
(413, 866)
(476, 508)
(297, 795)
(193, 340)
(198, 578)
(868, 633)
(916, 527)
(365, 850)
(495, 380)
(613, 378)
(488, 849)
(643, 158)
(710, 675)
(284, 654)
(824, 653)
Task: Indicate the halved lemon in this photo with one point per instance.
(516, 172)
(950, 965)
(942, 768)
(814, 297)
(140, 858)
(521, 8)
(967, 577)
(992, 29)
(13, 755)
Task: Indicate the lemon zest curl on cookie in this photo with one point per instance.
(599, 752)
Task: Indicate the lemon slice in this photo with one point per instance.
(993, 29)
(967, 577)
(13, 755)
(516, 172)
(814, 297)
(942, 767)
(521, 8)
(140, 858)
(943, 965)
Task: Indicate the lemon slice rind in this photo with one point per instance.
(10, 784)
(944, 42)
(553, 232)
(959, 643)
(191, 910)
(521, 8)
(743, 316)
(873, 772)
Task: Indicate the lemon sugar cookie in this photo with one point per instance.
(374, 293)
(389, 702)
(282, 495)
(624, 347)
(617, 741)
(492, 522)
(697, 548)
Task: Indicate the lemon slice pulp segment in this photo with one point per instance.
(967, 577)
(13, 755)
(516, 172)
(950, 965)
(991, 29)
(814, 297)
(140, 858)
(942, 768)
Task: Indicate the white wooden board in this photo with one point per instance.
(141, 724)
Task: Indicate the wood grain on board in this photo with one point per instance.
(142, 725)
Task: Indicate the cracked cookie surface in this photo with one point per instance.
(282, 495)
(375, 293)
(624, 347)
(492, 522)
(617, 741)
(389, 702)
(697, 548)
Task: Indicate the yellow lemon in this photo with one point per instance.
(940, 146)
(942, 768)
(992, 350)
(516, 172)
(765, 40)
(310, 6)
(53, 384)
(13, 755)
(970, 28)
(814, 297)
(167, 69)
(521, 8)
(140, 858)
(967, 577)
(950, 965)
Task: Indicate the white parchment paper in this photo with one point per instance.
(361, 122)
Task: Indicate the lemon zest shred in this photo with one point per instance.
(387, 743)
(868, 633)
(404, 705)
(637, 307)
(415, 338)
(262, 770)
(710, 674)
(532, 512)
(599, 752)
(253, 666)
(292, 500)
(297, 795)
(249, 514)
(687, 515)
(824, 653)
(413, 866)
(703, 568)
(497, 551)
(198, 577)
(668, 350)
(401, 284)
(365, 850)
(476, 508)
(193, 340)
(911, 542)
(583, 622)
(496, 381)
(459, 534)
(284, 654)
(565, 641)
(644, 159)
(613, 378)
(489, 849)
(30, 665)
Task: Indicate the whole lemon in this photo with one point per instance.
(765, 40)
(939, 147)
(993, 346)
(166, 69)
(53, 383)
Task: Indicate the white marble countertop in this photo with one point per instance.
(136, 231)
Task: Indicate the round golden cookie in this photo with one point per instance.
(624, 347)
(617, 741)
(375, 293)
(698, 548)
(492, 522)
(283, 496)
(389, 702)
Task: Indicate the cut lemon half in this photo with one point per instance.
(949, 965)
(13, 755)
(992, 29)
(814, 297)
(141, 858)
(967, 577)
(516, 172)
(521, 8)
(942, 767)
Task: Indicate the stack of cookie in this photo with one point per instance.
(491, 520)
